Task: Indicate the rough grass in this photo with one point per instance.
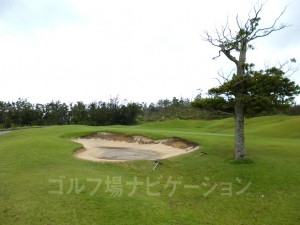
(34, 161)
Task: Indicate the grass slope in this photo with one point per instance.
(183, 190)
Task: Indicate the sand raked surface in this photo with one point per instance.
(104, 146)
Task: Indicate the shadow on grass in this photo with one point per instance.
(242, 161)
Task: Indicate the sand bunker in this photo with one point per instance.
(104, 146)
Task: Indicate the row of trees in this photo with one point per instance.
(24, 113)
(173, 109)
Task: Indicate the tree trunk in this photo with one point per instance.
(239, 140)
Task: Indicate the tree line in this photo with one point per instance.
(24, 113)
(175, 108)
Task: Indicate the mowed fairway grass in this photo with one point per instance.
(41, 182)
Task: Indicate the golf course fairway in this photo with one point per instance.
(42, 182)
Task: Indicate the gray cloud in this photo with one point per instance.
(294, 18)
(289, 36)
(6, 5)
(23, 16)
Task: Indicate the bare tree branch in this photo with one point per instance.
(287, 67)
(229, 56)
(229, 43)
(225, 78)
(237, 22)
(217, 55)
(209, 39)
(268, 30)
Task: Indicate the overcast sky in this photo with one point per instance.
(139, 50)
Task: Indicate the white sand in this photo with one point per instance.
(96, 149)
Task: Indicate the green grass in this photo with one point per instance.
(34, 161)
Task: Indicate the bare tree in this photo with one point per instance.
(234, 45)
